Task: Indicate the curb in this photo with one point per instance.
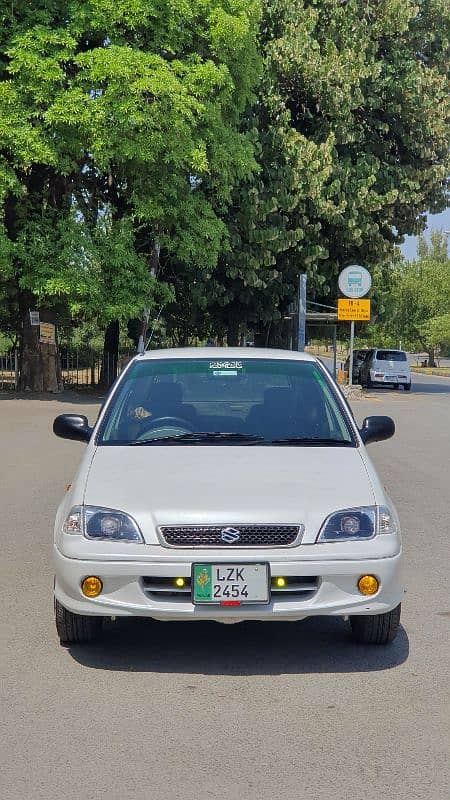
(353, 392)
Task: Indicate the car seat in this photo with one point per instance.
(274, 417)
(165, 399)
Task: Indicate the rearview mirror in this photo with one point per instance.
(72, 426)
(376, 429)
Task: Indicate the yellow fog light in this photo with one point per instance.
(91, 586)
(368, 584)
(280, 583)
(179, 582)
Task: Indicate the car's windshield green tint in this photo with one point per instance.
(258, 400)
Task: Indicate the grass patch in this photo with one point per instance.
(443, 371)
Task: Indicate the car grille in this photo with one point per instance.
(230, 536)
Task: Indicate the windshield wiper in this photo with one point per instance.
(313, 441)
(201, 436)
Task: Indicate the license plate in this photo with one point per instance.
(390, 378)
(230, 584)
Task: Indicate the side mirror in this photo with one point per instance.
(376, 429)
(72, 426)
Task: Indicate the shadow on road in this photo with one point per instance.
(318, 645)
(432, 388)
(416, 388)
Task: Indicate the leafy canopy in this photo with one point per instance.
(119, 124)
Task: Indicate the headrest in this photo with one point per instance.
(278, 398)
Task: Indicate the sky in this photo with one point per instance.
(435, 222)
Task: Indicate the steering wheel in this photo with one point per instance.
(161, 422)
(181, 425)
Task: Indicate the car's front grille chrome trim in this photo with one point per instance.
(217, 536)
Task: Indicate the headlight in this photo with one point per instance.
(102, 523)
(345, 526)
(357, 524)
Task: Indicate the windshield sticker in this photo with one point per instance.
(226, 368)
(226, 365)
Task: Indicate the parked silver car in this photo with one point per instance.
(381, 367)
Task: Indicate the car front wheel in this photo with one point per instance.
(377, 628)
(407, 387)
(76, 628)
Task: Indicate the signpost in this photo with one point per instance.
(301, 334)
(353, 310)
(354, 282)
(47, 333)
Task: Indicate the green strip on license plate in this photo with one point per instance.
(203, 582)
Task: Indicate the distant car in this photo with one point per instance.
(358, 358)
(226, 484)
(381, 367)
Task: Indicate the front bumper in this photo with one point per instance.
(124, 594)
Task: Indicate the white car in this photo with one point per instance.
(381, 367)
(228, 485)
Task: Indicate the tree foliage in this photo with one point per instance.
(120, 139)
(352, 129)
(197, 155)
(418, 311)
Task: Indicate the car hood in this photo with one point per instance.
(228, 485)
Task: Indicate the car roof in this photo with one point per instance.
(227, 353)
(388, 350)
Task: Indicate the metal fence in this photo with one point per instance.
(80, 368)
(9, 366)
(83, 368)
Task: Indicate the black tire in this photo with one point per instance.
(74, 628)
(377, 628)
(407, 387)
(396, 386)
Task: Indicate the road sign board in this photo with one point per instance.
(353, 310)
(355, 281)
(47, 333)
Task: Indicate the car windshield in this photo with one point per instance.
(225, 401)
(390, 355)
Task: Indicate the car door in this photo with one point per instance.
(365, 366)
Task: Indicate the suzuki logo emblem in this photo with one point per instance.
(230, 535)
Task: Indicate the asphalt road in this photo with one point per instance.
(245, 712)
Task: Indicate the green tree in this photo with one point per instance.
(352, 127)
(119, 123)
(420, 299)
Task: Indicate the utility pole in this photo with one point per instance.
(350, 361)
(301, 333)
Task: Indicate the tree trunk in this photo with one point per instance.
(39, 361)
(110, 358)
(233, 333)
(261, 336)
(431, 356)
